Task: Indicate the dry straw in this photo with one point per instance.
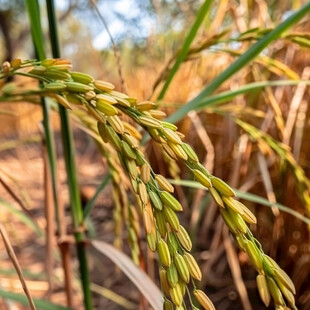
(158, 207)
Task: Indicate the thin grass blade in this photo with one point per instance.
(39, 303)
(248, 197)
(22, 217)
(91, 202)
(37, 36)
(202, 13)
(229, 95)
(116, 298)
(146, 286)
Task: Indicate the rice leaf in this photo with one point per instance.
(229, 95)
(249, 197)
(91, 202)
(34, 16)
(22, 217)
(203, 11)
(116, 298)
(146, 286)
(39, 303)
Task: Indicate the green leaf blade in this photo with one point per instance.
(203, 11)
(248, 197)
(39, 303)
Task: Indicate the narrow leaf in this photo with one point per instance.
(109, 294)
(37, 36)
(248, 197)
(203, 11)
(39, 303)
(91, 202)
(142, 281)
(22, 217)
(229, 95)
(265, 202)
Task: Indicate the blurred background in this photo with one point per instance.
(257, 142)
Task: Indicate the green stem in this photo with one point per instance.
(37, 36)
(39, 92)
(85, 278)
(69, 156)
(49, 140)
(33, 76)
(74, 193)
(52, 24)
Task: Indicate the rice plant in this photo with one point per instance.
(98, 108)
(120, 124)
